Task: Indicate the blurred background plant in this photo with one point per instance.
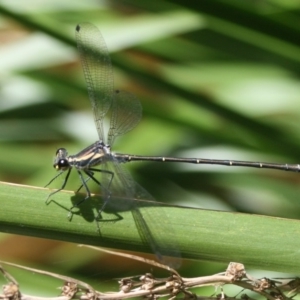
(217, 79)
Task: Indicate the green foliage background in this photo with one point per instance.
(217, 79)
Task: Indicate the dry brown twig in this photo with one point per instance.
(151, 287)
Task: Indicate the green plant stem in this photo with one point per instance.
(257, 241)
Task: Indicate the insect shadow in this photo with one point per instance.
(92, 210)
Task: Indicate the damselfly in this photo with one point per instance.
(126, 112)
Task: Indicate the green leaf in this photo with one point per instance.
(258, 241)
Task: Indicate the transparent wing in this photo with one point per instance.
(122, 192)
(97, 70)
(150, 218)
(126, 114)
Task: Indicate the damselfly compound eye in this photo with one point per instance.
(61, 164)
(61, 153)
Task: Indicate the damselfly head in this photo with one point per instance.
(61, 162)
